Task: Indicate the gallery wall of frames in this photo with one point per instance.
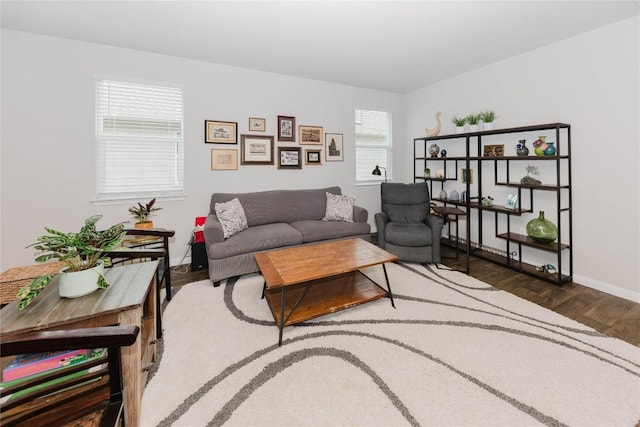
(287, 147)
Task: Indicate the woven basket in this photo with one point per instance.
(15, 278)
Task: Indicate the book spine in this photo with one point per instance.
(13, 372)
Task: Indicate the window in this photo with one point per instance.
(139, 142)
(373, 145)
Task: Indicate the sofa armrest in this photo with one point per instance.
(213, 232)
(360, 214)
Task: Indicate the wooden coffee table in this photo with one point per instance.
(304, 282)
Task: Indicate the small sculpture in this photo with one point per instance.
(435, 131)
(434, 150)
(487, 201)
(443, 153)
(529, 180)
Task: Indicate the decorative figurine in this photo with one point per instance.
(529, 180)
(435, 131)
(443, 153)
(434, 150)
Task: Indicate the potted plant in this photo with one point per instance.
(473, 119)
(459, 122)
(84, 256)
(488, 117)
(142, 212)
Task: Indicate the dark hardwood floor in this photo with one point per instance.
(610, 315)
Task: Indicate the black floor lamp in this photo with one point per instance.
(376, 171)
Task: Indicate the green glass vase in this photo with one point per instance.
(542, 230)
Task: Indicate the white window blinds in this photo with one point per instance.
(373, 144)
(140, 152)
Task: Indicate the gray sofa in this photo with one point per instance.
(276, 219)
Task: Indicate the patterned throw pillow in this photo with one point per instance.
(339, 208)
(231, 216)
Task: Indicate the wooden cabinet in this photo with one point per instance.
(483, 164)
(129, 301)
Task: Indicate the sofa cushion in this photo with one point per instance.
(255, 239)
(266, 207)
(408, 234)
(339, 208)
(231, 216)
(315, 230)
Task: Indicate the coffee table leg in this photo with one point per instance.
(281, 325)
(386, 276)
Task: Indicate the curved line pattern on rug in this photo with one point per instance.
(283, 363)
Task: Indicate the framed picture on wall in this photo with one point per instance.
(333, 149)
(256, 150)
(310, 135)
(289, 158)
(224, 160)
(313, 157)
(286, 128)
(257, 124)
(217, 132)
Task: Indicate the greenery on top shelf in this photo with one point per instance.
(488, 116)
(459, 121)
(473, 119)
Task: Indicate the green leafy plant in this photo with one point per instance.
(79, 251)
(488, 116)
(473, 119)
(142, 212)
(459, 121)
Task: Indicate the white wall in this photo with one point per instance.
(591, 82)
(47, 176)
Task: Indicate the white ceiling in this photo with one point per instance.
(395, 46)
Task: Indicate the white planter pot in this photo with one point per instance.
(80, 283)
(488, 126)
(459, 129)
(473, 128)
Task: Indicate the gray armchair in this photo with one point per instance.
(405, 226)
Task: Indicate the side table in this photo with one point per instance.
(446, 212)
(130, 300)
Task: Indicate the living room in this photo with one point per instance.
(589, 80)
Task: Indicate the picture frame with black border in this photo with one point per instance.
(310, 135)
(257, 124)
(313, 157)
(286, 128)
(219, 132)
(333, 147)
(289, 158)
(224, 159)
(256, 149)
(466, 175)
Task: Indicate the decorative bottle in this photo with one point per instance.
(542, 230)
(522, 149)
(551, 149)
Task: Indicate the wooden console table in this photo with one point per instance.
(130, 300)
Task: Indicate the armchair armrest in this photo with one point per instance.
(381, 219)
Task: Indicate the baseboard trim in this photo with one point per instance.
(608, 288)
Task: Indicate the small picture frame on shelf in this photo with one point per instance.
(466, 175)
(493, 150)
(512, 201)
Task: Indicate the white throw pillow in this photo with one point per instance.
(339, 208)
(231, 216)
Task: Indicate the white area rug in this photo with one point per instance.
(454, 352)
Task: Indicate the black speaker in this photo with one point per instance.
(199, 259)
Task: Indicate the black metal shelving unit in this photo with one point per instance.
(560, 188)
